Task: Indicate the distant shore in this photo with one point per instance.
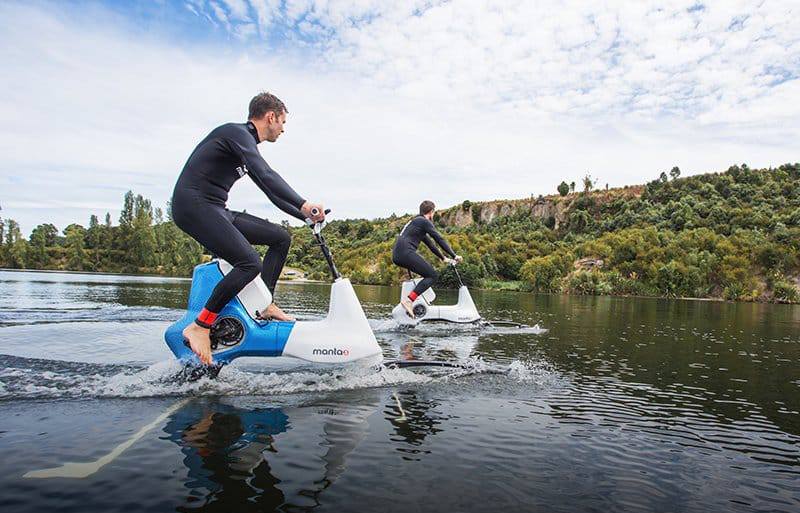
(102, 273)
(494, 285)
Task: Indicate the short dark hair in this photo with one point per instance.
(263, 103)
(425, 207)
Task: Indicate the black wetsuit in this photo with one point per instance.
(198, 208)
(404, 253)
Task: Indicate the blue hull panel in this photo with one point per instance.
(260, 338)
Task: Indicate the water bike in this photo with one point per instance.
(343, 336)
(463, 312)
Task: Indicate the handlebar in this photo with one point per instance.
(316, 226)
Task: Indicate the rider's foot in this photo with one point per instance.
(409, 306)
(199, 341)
(273, 312)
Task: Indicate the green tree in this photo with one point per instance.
(16, 247)
(3, 254)
(94, 241)
(563, 188)
(587, 183)
(142, 240)
(76, 254)
(126, 217)
(544, 273)
(675, 172)
(42, 237)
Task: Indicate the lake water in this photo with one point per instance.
(621, 405)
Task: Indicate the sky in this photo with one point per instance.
(390, 103)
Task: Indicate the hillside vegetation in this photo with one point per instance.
(732, 235)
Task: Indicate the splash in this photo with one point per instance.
(535, 372)
(39, 379)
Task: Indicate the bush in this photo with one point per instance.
(471, 274)
(476, 214)
(785, 292)
(543, 273)
(588, 283)
(734, 291)
(629, 286)
(677, 279)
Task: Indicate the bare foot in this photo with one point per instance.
(273, 312)
(200, 342)
(409, 306)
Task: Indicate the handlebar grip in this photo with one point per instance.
(315, 212)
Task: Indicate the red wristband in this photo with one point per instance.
(206, 319)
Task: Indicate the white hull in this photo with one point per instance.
(464, 311)
(343, 336)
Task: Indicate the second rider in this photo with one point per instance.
(404, 252)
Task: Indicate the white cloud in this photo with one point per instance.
(238, 9)
(393, 104)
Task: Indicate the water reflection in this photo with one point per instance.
(247, 457)
(413, 419)
(224, 449)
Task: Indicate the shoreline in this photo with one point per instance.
(134, 275)
(492, 289)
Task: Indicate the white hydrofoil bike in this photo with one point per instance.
(463, 312)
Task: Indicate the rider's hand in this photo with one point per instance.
(307, 209)
(458, 259)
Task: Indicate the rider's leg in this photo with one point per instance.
(262, 232)
(415, 263)
(234, 249)
(212, 227)
(428, 273)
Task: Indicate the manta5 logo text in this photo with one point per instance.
(333, 351)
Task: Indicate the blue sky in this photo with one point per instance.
(390, 102)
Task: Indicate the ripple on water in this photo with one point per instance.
(620, 407)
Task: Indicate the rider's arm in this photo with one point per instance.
(286, 207)
(439, 239)
(428, 242)
(268, 180)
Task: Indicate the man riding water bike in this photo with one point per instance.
(404, 252)
(198, 207)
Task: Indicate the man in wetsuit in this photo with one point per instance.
(404, 253)
(198, 208)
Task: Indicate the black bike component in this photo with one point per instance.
(226, 331)
(461, 283)
(420, 310)
(326, 252)
(402, 364)
(502, 324)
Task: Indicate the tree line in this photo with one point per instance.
(143, 241)
(733, 235)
